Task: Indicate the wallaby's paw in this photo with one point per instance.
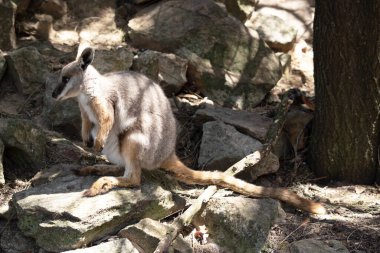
(101, 186)
(98, 147)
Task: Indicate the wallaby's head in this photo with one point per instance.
(71, 77)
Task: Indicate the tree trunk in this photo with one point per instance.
(345, 139)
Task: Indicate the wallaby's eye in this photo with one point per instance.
(65, 79)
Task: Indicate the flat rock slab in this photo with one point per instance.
(147, 234)
(116, 246)
(249, 123)
(57, 215)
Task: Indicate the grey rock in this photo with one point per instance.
(285, 60)
(147, 234)
(22, 5)
(7, 21)
(316, 246)
(240, 9)
(25, 146)
(269, 165)
(2, 179)
(100, 29)
(113, 60)
(55, 8)
(222, 145)
(249, 123)
(28, 68)
(58, 216)
(274, 31)
(168, 70)
(61, 116)
(240, 224)
(13, 241)
(115, 246)
(62, 150)
(230, 66)
(3, 65)
(297, 13)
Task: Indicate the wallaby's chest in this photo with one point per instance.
(84, 101)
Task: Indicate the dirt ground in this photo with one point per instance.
(353, 216)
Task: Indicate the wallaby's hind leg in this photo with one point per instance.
(132, 171)
(101, 170)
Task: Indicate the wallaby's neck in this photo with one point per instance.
(91, 73)
(91, 78)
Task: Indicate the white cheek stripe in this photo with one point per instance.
(64, 92)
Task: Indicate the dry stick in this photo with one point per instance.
(247, 162)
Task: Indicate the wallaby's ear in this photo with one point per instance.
(86, 57)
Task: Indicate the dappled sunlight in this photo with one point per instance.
(65, 37)
(100, 31)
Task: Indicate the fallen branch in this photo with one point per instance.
(247, 162)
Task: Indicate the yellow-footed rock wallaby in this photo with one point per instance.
(127, 117)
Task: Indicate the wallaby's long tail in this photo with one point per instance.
(189, 176)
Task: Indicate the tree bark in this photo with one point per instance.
(345, 139)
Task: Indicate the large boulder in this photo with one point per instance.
(113, 59)
(240, 224)
(232, 67)
(7, 21)
(28, 68)
(297, 13)
(168, 70)
(24, 146)
(274, 31)
(57, 215)
(222, 146)
(61, 116)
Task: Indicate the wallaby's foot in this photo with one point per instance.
(105, 184)
(101, 186)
